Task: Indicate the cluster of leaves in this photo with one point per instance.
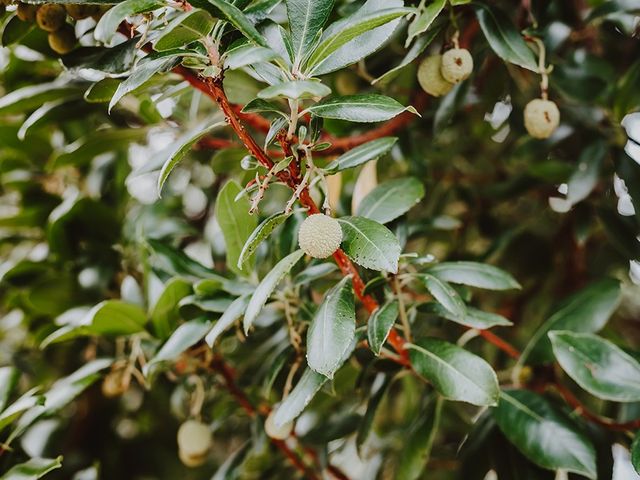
(153, 184)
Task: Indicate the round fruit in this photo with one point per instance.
(541, 118)
(191, 461)
(457, 65)
(51, 17)
(320, 235)
(430, 77)
(275, 432)
(114, 384)
(80, 11)
(63, 41)
(26, 12)
(194, 439)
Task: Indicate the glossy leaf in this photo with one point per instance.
(110, 21)
(363, 108)
(33, 96)
(295, 89)
(228, 11)
(445, 295)
(474, 274)
(267, 286)
(424, 19)
(32, 469)
(361, 154)
(473, 317)
(232, 313)
(380, 324)
(181, 147)
(332, 329)
(304, 391)
(597, 365)
(164, 315)
(306, 19)
(543, 434)
(504, 39)
(587, 311)
(114, 317)
(248, 54)
(235, 221)
(454, 372)
(8, 380)
(391, 199)
(260, 234)
(184, 29)
(370, 244)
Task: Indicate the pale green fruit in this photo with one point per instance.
(457, 65)
(430, 77)
(320, 235)
(541, 118)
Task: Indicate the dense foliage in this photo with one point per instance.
(320, 239)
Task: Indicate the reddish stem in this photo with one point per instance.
(500, 343)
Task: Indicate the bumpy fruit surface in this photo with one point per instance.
(26, 12)
(63, 40)
(78, 12)
(320, 235)
(541, 118)
(273, 431)
(194, 442)
(51, 17)
(430, 77)
(457, 65)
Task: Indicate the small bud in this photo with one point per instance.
(63, 41)
(194, 443)
(541, 118)
(430, 77)
(457, 65)
(277, 433)
(320, 235)
(26, 12)
(51, 17)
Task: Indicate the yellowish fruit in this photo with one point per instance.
(430, 77)
(63, 41)
(191, 461)
(80, 11)
(320, 235)
(114, 384)
(457, 65)
(51, 17)
(26, 12)
(194, 438)
(541, 118)
(276, 432)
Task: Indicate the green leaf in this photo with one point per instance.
(111, 20)
(364, 108)
(228, 318)
(597, 365)
(380, 324)
(473, 317)
(391, 199)
(235, 221)
(295, 89)
(184, 337)
(361, 154)
(415, 456)
(314, 272)
(231, 13)
(353, 29)
(375, 400)
(32, 97)
(332, 329)
(144, 70)
(474, 274)
(504, 39)
(370, 244)
(454, 372)
(267, 286)
(363, 45)
(32, 469)
(102, 91)
(304, 391)
(306, 19)
(445, 295)
(247, 54)
(261, 233)
(61, 393)
(425, 18)
(114, 317)
(543, 434)
(114, 61)
(184, 29)
(587, 311)
(14, 30)
(635, 452)
(28, 400)
(258, 105)
(8, 380)
(164, 315)
(181, 147)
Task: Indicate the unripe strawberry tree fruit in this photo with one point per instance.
(319, 239)
(430, 76)
(541, 118)
(457, 65)
(320, 235)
